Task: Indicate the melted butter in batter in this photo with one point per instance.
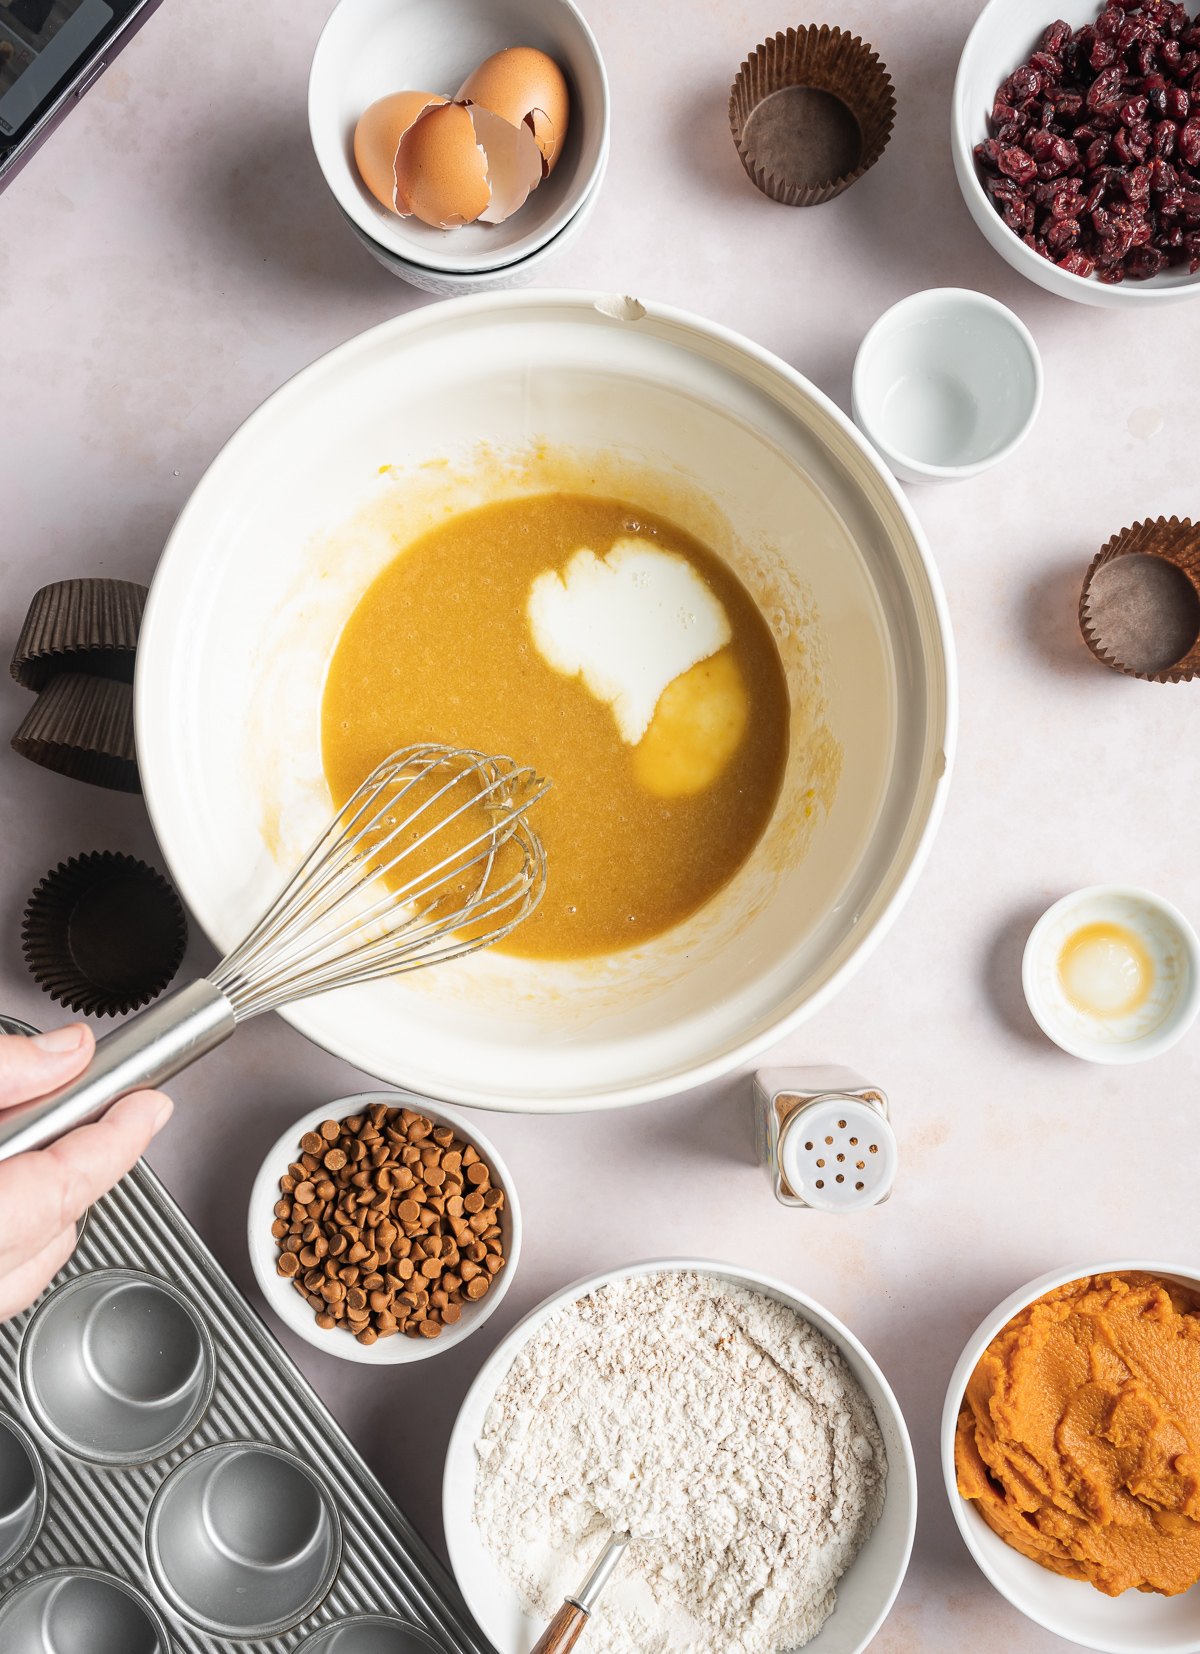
(637, 836)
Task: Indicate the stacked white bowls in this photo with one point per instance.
(370, 48)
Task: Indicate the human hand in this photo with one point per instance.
(44, 1193)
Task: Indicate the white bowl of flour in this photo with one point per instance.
(744, 1433)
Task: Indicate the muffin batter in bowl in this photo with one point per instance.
(502, 630)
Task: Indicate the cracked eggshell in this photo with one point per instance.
(377, 139)
(527, 88)
(441, 171)
(514, 162)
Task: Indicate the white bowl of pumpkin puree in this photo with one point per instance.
(611, 541)
(1071, 1452)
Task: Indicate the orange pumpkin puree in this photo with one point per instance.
(1079, 1436)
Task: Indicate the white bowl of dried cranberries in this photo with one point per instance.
(1076, 140)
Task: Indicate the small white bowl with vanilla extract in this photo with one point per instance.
(1112, 974)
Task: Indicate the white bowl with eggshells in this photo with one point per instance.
(491, 398)
(370, 48)
(1003, 37)
(1136, 1622)
(865, 1591)
(296, 1313)
(1112, 1017)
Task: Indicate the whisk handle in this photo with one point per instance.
(141, 1053)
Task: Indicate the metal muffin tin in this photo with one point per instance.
(169, 1483)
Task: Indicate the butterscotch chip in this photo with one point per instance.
(283, 1208)
(333, 1292)
(430, 1329)
(313, 1143)
(335, 1160)
(420, 1129)
(434, 1176)
(454, 1206)
(287, 1184)
(288, 1265)
(477, 1173)
(367, 1336)
(353, 1124)
(473, 1203)
(379, 1301)
(451, 1283)
(479, 1221)
(325, 1189)
(469, 1156)
(451, 1313)
(494, 1199)
(402, 1178)
(404, 1268)
(431, 1268)
(309, 1258)
(494, 1265)
(477, 1252)
(325, 1320)
(356, 1253)
(475, 1289)
(279, 1229)
(372, 1282)
(408, 1211)
(296, 1171)
(350, 1275)
(468, 1270)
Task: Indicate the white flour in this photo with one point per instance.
(717, 1425)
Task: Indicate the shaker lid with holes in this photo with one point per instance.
(839, 1154)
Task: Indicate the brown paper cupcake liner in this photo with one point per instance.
(104, 934)
(1139, 610)
(83, 727)
(810, 112)
(80, 626)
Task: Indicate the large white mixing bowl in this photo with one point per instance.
(502, 394)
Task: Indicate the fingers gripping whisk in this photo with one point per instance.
(432, 858)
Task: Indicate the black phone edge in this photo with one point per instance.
(82, 80)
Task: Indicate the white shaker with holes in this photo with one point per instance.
(824, 1136)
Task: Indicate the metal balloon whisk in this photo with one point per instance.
(432, 858)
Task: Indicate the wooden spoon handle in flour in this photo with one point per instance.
(563, 1631)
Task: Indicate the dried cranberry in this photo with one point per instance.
(1189, 205)
(1163, 178)
(1067, 104)
(1178, 103)
(1097, 151)
(1014, 163)
(1136, 184)
(1105, 90)
(1189, 141)
(1169, 53)
(1003, 114)
(1144, 263)
(1166, 136)
(1039, 246)
(1056, 37)
(1110, 271)
(1077, 263)
(1133, 111)
(1022, 86)
(1061, 233)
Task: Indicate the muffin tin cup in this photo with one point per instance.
(22, 1494)
(1139, 610)
(117, 1367)
(243, 1540)
(79, 1611)
(88, 626)
(369, 1634)
(810, 111)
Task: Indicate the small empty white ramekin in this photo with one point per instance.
(1168, 1011)
(946, 384)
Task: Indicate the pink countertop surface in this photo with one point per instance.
(172, 256)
